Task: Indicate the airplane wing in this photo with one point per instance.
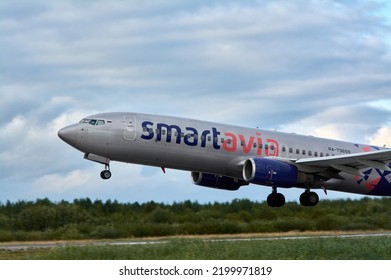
(351, 163)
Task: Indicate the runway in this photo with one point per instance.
(303, 237)
(47, 245)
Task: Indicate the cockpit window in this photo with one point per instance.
(93, 121)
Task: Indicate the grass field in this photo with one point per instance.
(316, 248)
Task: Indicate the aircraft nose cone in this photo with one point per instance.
(67, 134)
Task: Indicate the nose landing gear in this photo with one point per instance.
(106, 174)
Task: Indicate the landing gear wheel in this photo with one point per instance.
(313, 198)
(276, 199)
(309, 199)
(303, 199)
(105, 174)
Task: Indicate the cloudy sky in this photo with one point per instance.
(312, 67)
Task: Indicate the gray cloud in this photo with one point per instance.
(316, 67)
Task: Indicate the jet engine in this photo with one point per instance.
(217, 182)
(271, 172)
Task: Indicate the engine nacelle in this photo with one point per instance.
(217, 182)
(271, 172)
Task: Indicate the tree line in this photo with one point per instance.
(86, 219)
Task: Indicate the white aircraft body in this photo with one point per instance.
(228, 157)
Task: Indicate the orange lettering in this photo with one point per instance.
(230, 144)
(246, 147)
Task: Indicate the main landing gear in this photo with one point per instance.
(307, 198)
(275, 199)
(106, 174)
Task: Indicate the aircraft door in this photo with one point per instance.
(130, 128)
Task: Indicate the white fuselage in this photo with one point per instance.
(212, 148)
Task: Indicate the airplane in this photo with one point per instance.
(228, 157)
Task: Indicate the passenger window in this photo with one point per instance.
(260, 146)
(321, 154)
(209, 138)
(303, 152)
(297, 151)
(266, 146)
(310, 153)
(290, 150)
(255, 145)
(316, 154)
(283, 148)
(272, 147)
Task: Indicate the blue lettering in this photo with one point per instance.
(203, 138)
(188, 138)
(216, 138)
(169, 130)
(148, 133)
